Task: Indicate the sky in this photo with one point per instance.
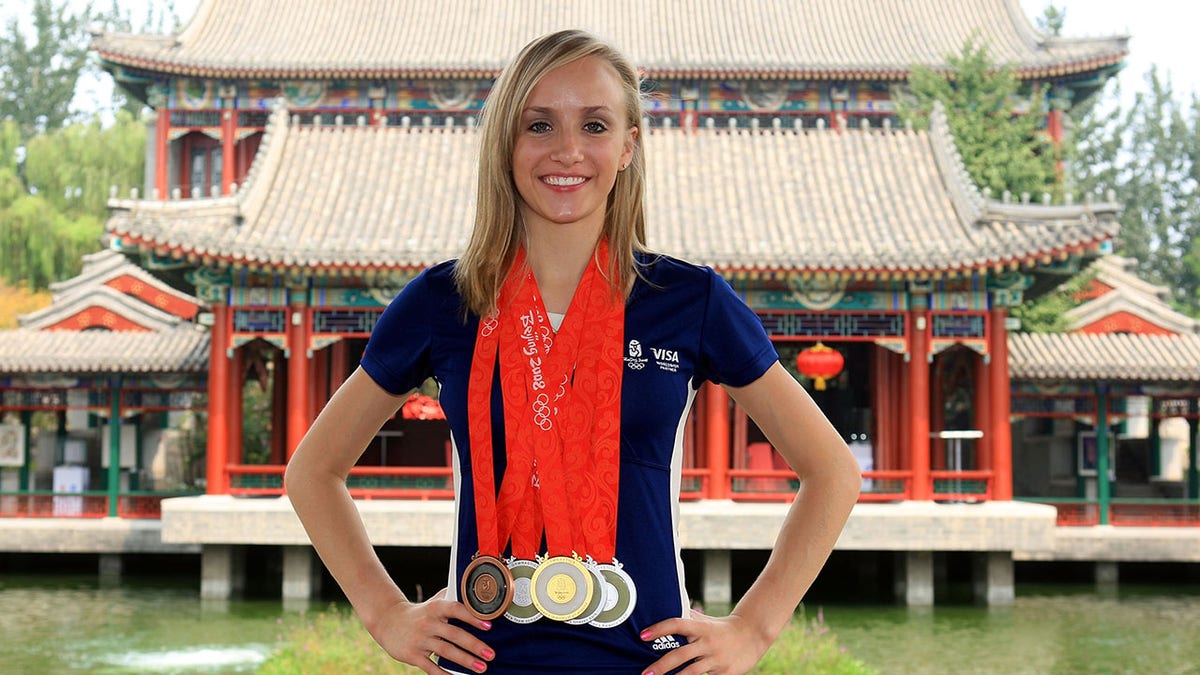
(1163, 32)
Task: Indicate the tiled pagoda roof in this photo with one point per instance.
(799, 39)
(177, 350)
(145, 300)
(1130, 295)
(131, 322)
(1112, 357)
(889, 202)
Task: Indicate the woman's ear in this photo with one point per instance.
(631, 143)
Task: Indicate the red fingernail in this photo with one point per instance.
(487, 625)
(646, 636)
(479, 666)
(489, 654)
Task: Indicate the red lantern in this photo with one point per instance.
(819, 363)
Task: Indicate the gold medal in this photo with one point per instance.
(562, 588)
(598, 601)
(522, 610)
(487, 587)
(620, 597)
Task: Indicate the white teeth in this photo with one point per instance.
(563, 180)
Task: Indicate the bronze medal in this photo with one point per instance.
(562, 588)
(620, 598)
(487, 587)
(521, 609)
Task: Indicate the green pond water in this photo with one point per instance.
(75, 624)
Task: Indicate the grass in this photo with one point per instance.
(333, 642)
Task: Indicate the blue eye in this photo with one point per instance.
(539, 127)
(595, 127)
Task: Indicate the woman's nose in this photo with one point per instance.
(568, 149)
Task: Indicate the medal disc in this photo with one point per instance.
(562, 588)
(599, 596)
(521, 610)
(620, 598)
(487, 587)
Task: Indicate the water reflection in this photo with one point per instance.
(75, 624)
(1047, 630)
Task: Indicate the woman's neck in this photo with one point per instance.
(558, 257)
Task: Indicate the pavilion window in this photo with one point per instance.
(205, 165)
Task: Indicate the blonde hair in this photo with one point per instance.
(498, 228)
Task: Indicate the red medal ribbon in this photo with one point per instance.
(562, 397)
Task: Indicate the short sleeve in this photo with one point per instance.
(397, 356)
(734, 347)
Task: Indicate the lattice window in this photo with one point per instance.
(959, 326)
(821, 324)
(195, 118)
(259, 320)
(344, 321)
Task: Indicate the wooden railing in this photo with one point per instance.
(92, 504)
(1077, 512)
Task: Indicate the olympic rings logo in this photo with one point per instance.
(542, 412)
(489, 326)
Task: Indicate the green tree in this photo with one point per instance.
(1052, 19)
(57, 213)
(161, 17)
(1003, 149)
(1146, 153)
(38, 77)
(1046, 313)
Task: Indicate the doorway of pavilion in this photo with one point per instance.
(958, 457)
(759, 473)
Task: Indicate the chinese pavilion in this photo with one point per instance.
(116, 357)
(1129, 365)
(835, 224)
(309, 158)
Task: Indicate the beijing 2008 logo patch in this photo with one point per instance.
(634, 359)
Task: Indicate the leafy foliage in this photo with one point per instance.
(1003, 149)
(38, 75)
(53, 205)
(17, 301)
(1147, 152)
(1046, 313)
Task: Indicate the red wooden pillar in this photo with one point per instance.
(1054, 127)
(237, 387)
(882, 417)
(983, 406)
(339, 364)
(298, 391)
(903, 449)
(320, 383)
(162, 135)
(937, 412)
(918, 401)
(279, 410)
(217, 481)
(716, 441)
(1001, 407)
(228, 149)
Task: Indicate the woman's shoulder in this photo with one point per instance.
(659, 273)
(663, 268)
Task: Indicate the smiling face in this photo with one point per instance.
(572, 139)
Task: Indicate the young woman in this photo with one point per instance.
(566, 404)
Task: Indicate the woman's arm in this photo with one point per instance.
(316, 484)
(829, 485)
